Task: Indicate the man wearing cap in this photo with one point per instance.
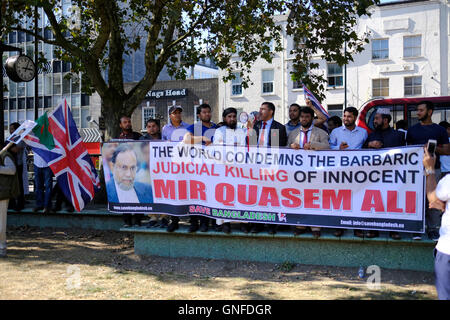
(384, 136)
(176, 128)
(174, 131)
(200, 132)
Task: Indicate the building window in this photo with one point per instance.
(84, 99)
(412, 46)
(48, 84)
(267, 81)
(56, 66)
(335, 110)
(147, 113)
(236, 85)
(12, 37)
(47, 102)
(76, 115)
(380, 87)
(66, 66)
(76, 100)
(84, 115)
(20, 36)
(335, 75)
(413, 86)
(21, 89)
(29, 37)
(30, 88)
(66, 83)
(75, 84)
(12, 89)
(57, 83)
(48, 35)
(21, 104)
(48, 51)
(298, 44)
(12, 104)
(380, 49)
(30, 103)
(297, 84)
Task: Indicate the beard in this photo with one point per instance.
(306, 125)
(232, 125)
(349, 124)
(125, 187)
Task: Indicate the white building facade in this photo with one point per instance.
(407, 56)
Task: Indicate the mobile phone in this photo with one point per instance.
(431, 147)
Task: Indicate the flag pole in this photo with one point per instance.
(6, 148)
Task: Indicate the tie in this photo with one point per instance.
(261, 140)
(305, 137)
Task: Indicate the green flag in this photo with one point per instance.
(42, 132)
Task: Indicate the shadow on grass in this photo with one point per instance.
(115, 250)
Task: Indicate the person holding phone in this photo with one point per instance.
(420, 134)
(438, 196)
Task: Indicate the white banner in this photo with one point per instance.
(365, 189)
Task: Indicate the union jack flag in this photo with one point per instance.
(309, 95)
(69, 160)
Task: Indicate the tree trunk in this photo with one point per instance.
(112, 110)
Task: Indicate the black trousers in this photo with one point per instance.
(19, 202)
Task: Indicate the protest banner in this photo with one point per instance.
(365, 189)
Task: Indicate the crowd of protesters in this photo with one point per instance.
(307, 129)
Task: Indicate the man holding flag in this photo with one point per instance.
(43, 175)
(319, 110)
(57, 141)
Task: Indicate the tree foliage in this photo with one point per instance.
(96, 35)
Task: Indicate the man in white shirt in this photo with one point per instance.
(439, 198)
(230, 136)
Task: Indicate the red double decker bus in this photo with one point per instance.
(403, 108)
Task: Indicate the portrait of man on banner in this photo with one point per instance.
(124, 187)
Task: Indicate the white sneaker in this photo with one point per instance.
(417, 236)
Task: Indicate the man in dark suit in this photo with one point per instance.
(123, 187)
(267, 133)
